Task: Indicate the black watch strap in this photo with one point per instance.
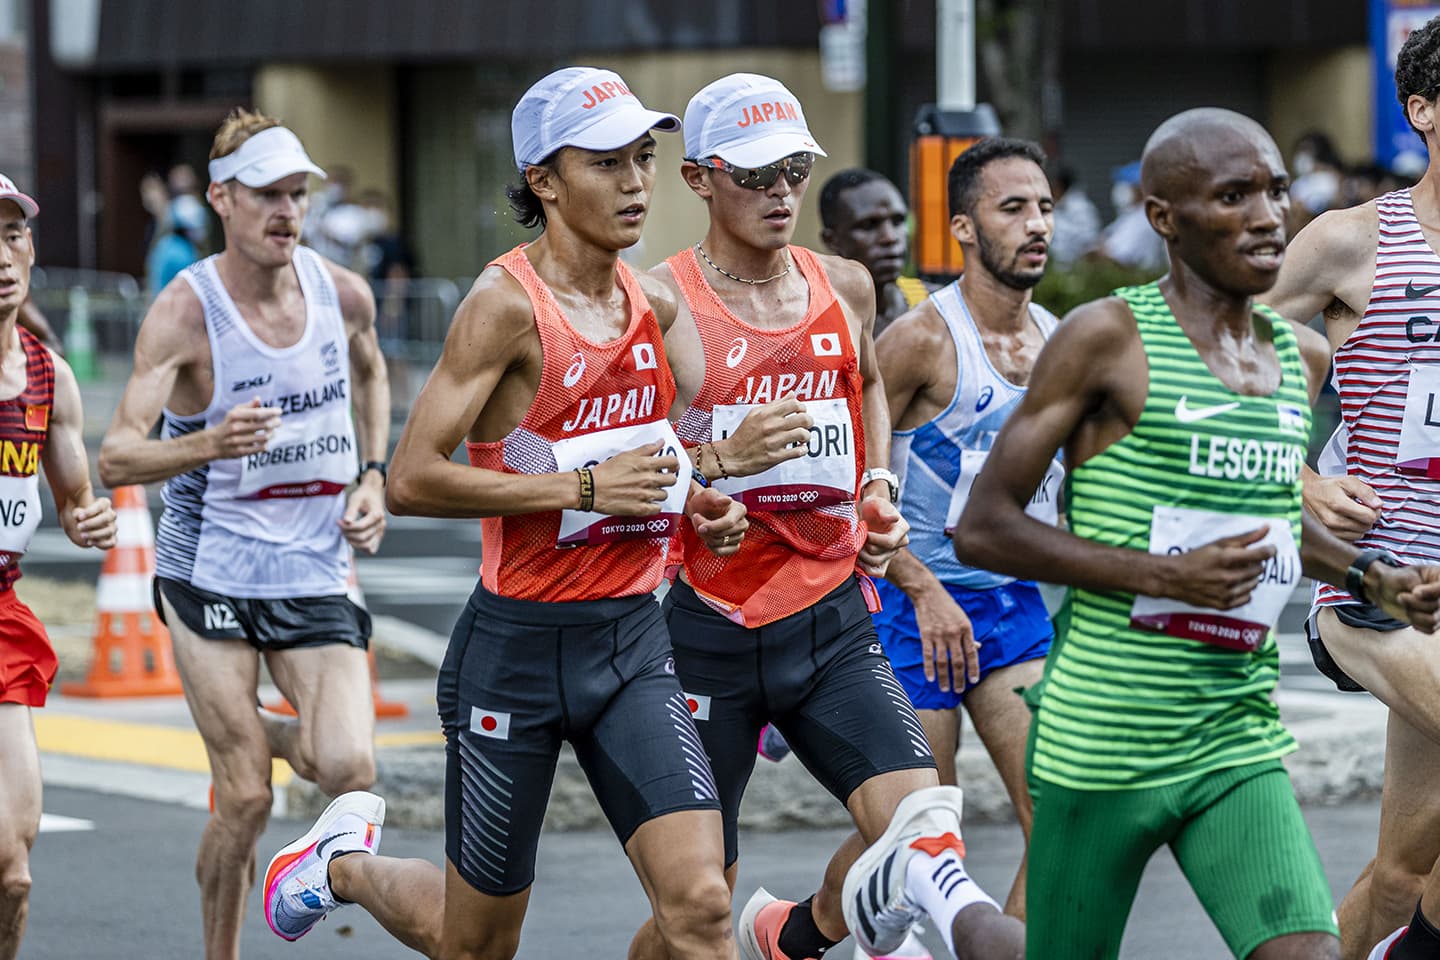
(372, 465)
(1355, 574)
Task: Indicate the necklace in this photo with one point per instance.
(754, 283)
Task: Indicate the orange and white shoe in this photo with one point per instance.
(297, 882)
(877, 908)
(760, 925)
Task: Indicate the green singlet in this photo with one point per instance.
(1124, 707)
(1143, 739)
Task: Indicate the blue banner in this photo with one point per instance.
(1391, 22)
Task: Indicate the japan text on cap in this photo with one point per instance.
(270, 155)
(747, 120)
(580, 107)
(8, 191)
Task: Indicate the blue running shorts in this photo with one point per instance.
(1010, 621)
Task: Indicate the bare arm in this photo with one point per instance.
(903, 353)
(87, 521)
(363, 522)
(171, 343)
(1329, 268)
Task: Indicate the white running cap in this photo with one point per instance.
(582, 107)
(272, 154)
(8, 191)
(747, 120)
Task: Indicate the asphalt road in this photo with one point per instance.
(125, 889)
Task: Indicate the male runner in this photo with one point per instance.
(863, 217)
(780, 336)
(1184, 413)
(1374, 273)
(251, 359)
(41, 424)
(955, 633)
(555, 374)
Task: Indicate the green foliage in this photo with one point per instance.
(1065, 288)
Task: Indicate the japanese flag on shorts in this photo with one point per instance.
(699, 705)
(490, 723)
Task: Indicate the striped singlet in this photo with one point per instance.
(1125, 708)
(24, 426)
(1390, 360)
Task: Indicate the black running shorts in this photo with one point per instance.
(820, 676)
(281, 624)
(1362, 616)
(520, 677)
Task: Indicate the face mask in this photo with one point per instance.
(1304, 163)
(1122, 197)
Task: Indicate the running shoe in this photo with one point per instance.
(772, 745)
(911, 949)
(760, 925)
(297, 882)
(877, 909)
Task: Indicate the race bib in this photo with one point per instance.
(588, 528)
(1418, 453)
(1179, 530)
(824, 476)
(19, 515)
(1044, 503)
(301, 463)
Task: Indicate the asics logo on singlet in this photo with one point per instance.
(1188, 414)
(1413, 292)
(576, 370)
(219, 616)
(986, 396)
(737, 353)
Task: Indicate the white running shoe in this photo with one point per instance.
(297, 882)
(911, 949)
(877, 909)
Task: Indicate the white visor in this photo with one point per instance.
(270, 155)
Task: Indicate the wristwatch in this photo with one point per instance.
(1355, 575)
(369, 465)
(880, 473)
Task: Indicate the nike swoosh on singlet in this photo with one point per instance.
(1185, 414)
(1413, 292)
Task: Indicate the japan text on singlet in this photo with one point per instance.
(1143, 692)
(937, 462)
(1387, 374)
(266, 525)
(804, 532)
(595, 400)
(24, 424)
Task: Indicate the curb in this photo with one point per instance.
(1341, 758)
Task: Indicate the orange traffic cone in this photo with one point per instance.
(133, 657)
(384, 709)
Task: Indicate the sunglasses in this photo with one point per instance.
(797, 169)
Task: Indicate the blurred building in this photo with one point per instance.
(415, 96)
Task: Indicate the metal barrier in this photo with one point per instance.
(413, 315)
(110, 305)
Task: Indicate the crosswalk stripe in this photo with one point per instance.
(54, 823)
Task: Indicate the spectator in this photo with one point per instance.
(179, 244)
(1128, 240)
(1077, 222)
